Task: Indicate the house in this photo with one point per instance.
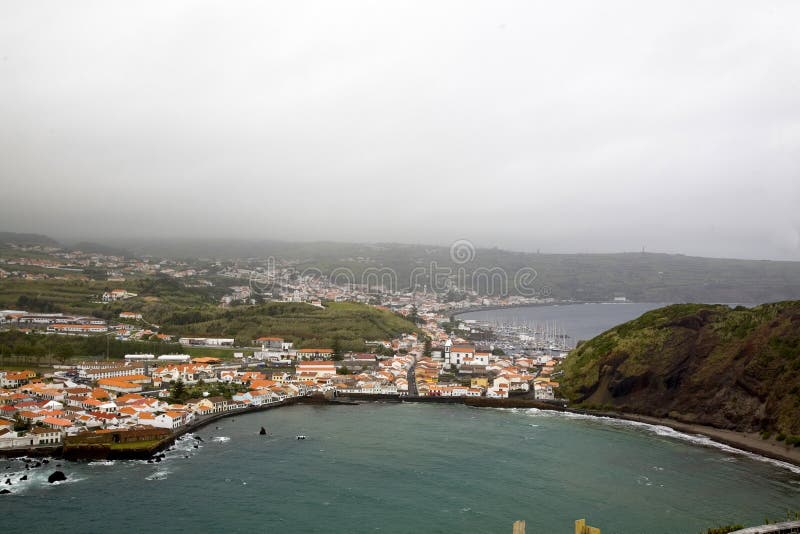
(206, 360)
(170, 420)
(114, 372)
(15, 379)
(543, 391)
(37, 436)
(315, 369)
(479, 382)
(119, 385)
(481, 358)
(207, 341)
(270, 343)
(363, 358)
(117, 294)
(130, 315)
(57, 423)
(315, 354)
(220, 404)
(456, 354)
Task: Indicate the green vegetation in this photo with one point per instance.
(708, 364)
(134, 445)
(14, 343)
(74, 294)
(344, 324)
(180, 392)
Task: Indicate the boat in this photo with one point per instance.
(301, 436)
(262, 432)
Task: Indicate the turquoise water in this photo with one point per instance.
(410, 468)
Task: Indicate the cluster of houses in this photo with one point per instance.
(380, 377)
(134, 394)
(38, 411)
(127, 328)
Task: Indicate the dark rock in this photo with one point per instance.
(262, 432)
(8, 481)
(197, 446)
(4, 492)
(37, 464)
(45, 461)
(24, 477)
(57, 477)
(158, 459)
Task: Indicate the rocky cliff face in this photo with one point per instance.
(735, 369)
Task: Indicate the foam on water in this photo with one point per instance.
(158, 475)
(36, 476)
(661, 430)
(220, 439)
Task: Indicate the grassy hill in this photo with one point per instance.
(736, 369)
(186, 311)
(345, 323)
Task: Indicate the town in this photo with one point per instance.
(172, 391)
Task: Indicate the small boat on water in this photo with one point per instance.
(301, 436)
(262, 432)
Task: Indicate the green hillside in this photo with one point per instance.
(735, 369)
(345, 323)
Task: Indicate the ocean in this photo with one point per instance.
(410, 468)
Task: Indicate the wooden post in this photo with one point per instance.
(519, 527)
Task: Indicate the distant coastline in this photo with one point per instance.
(540, 305)
(513, 306)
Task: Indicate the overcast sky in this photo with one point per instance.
(561, 126)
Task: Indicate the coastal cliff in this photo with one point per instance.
(729, 368)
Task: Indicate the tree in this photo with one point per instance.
(64, 352)
(178, 392)
(427, 349)
(498, 352)
(20, 425)
(413, 316)
(337, 350)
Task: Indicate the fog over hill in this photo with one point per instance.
(586, 126)
(639, 276)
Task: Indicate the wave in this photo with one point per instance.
(220, 439)
(664, 431)
(158, 475)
